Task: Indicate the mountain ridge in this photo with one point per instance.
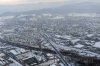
(86, 7)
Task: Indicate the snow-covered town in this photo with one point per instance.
(49, 33)
(49, 40)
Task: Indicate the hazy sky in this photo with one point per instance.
(24, 5)
(17, 2)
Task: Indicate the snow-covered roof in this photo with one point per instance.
(75, 40)
(89, 35)
(64, 36)
(58, 17)
(14, 52)
(79, 46)
(97, 44)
